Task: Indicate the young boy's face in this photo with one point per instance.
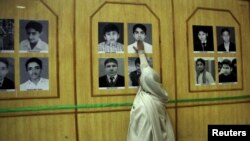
(111, 68)
(226, 69)
(33, 35)
(226, 36)
(111, 36)
(139, 34)
(202, 36)
(3, 70)
(200, 66)
(34, 70)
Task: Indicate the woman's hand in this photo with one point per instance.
(140, 46)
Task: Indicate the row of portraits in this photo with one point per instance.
(33, 35)
(111, 37)
(204, 41)
(33, 74)
(111, 72)
(205, 70)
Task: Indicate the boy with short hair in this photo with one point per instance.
(33, 42)
(111, 35)
(227, 74)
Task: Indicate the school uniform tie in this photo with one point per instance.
(203, 46)
(112, 81)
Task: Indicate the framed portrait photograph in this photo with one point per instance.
(34, 73)
(34, 36)
(111, 73)
(203, 39)
(140, 32)
(135, 71)
(7, 74)
(6, 35)
(205, 71)
(225, 39)
(227, 70)
(110, 37)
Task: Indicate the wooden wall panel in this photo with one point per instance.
(86, 43)
(112, 126)
(38, 128)
(105, 126)
(193, 121)
(210, 13)
(111, 123)
(61, 31)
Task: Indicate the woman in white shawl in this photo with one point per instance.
(149, 120)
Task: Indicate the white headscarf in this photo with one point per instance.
(151, 83)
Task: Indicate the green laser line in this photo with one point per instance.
(88, 106)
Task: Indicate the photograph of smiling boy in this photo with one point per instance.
(33, 36)
(110, 38)
(142, 32)
(34, 74)
(203, 38)
(111, 72)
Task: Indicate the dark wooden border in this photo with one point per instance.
(188, 53)
(74, 65)
(57, 64)
(175, 72)
(91, 46)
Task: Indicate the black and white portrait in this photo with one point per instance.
(111, 72)
(7, 75)
(226, 39)
(228, 69)
(135, 71)
(142, 32)
(205, 71)
(33, 36)
(34, 74)
(6, 35)
(203, 38)
(110, 37)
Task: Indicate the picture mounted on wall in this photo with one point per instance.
(34, 74)
(111, 73)
(203, 39)
(226, 39)
(227, 70)
(142, 32)
(110, 37)
(135, 71)
(34, 36)
(7, 75)
(6, 35)
(205, 70)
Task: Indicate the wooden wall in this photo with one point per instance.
(104, 116)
